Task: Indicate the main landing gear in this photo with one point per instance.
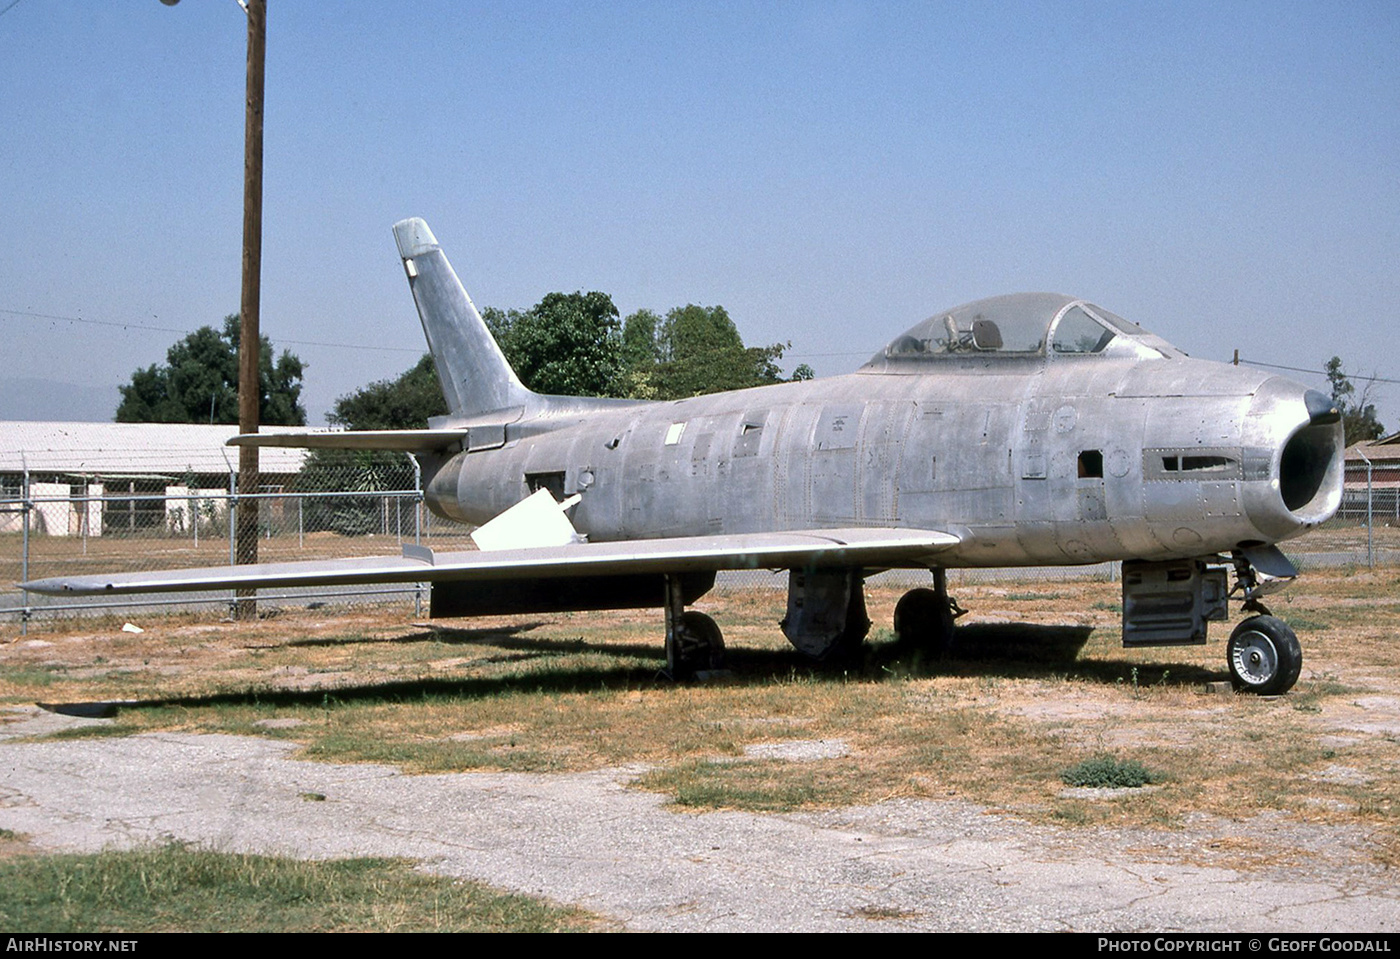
(694, 643)
(826, 621)
(924, 618)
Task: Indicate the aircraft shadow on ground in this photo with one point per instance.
(494, 636)
(1039, 651)
(416, 690)
(1006, 650)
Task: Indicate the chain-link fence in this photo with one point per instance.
(336, 506)
(354, 504)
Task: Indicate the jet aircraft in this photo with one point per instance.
(1031, 429)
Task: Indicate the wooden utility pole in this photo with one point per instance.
(249, 337)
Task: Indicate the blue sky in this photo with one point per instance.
(1227, 175)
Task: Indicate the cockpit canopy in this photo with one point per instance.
(1021, 324)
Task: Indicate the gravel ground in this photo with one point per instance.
(587, 839)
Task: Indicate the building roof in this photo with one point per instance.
(133, 449)
(1386, 449)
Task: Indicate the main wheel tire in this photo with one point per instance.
(924, 621)
(1264, 655)
(700, 645)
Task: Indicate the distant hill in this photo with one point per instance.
(31, 398)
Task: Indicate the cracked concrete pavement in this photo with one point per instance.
(589, 840)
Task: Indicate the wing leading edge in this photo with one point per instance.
(870, 548)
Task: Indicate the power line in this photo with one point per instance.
(843, 353)
(1273, 366)
(170, 329)
(405, 349)
(1298, 369)
(8, 7)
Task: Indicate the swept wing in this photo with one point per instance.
(843, 548)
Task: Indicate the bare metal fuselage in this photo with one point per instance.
(1035, 460)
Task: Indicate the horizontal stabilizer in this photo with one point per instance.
(871, 548)
(408, 441)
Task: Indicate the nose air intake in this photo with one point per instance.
(1310, 469)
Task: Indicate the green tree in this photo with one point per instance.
(402, 403)
(697, 332)
(568, 343)
(199, 383)
(700, 351)
(640, 355)
(639, 346)
(1358, 414)
(573, 344)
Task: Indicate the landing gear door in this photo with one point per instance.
(1170, 604)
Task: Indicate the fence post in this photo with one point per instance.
(87, 512)
(232, 552)
(1370, 548)
(24, 506)
(232, 504)
(417, 526)
(1370, 525)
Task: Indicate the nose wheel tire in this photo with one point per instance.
(1264, 655)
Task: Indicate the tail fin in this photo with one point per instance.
(475, 376)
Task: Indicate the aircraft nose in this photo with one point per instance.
(1302, 431)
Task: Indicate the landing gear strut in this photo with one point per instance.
(924, 618)
(694, 643)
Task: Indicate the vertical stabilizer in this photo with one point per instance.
(474, 373)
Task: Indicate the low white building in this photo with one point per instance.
(87, 478)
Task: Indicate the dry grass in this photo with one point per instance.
(1041, 684)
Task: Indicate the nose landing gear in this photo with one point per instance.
(1172, 602)
(1264, 654)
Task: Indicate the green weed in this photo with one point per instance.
(1108, 772)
